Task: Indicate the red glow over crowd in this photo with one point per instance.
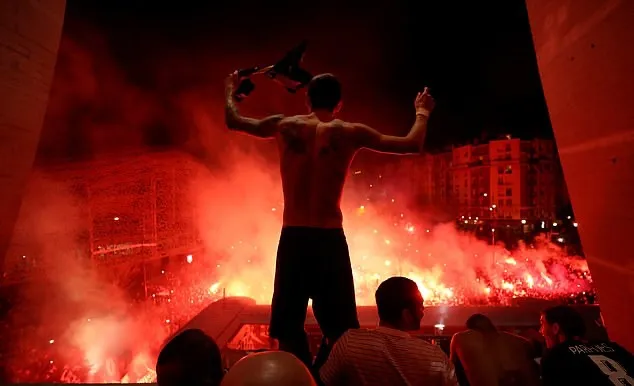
(450, 268)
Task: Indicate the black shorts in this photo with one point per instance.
(313, 263)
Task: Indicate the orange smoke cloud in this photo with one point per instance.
(240, 219)
(76, 318)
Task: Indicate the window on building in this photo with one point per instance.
(509, 191)
(509, 202)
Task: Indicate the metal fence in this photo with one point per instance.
(134, 210)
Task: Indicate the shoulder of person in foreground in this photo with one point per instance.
(623, 356)
(431, 351)
(449, 377)
(333, 370)
(462, 340)
(521, 342)
(554, 366)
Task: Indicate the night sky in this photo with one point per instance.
(478, 60)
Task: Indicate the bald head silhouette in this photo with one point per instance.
(269, 368)
(191, 358)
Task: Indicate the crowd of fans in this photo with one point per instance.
(390, 355)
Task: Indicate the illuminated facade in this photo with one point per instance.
(507, 179)
(441, 180)
(524, 179)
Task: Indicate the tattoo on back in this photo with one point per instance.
(294, 141)
(333, 143)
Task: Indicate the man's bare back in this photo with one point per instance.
(314, 161)
(315, 154)
(495, 359)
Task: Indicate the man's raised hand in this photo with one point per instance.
(232, 80)
(424, 103)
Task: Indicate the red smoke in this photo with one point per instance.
(79, 318)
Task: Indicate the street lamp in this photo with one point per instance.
(480, 209)
(493, 242)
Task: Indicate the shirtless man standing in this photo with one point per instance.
(312, 257)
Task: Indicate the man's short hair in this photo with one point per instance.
(570, 321)
(395, 295)
(190, 358)
(324, 92)
(480, 322)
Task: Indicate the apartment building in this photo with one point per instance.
(505, 179)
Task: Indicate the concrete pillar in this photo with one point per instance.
(586, 60)
(30, 32)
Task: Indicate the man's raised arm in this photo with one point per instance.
(367, 137)
(262, 128)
